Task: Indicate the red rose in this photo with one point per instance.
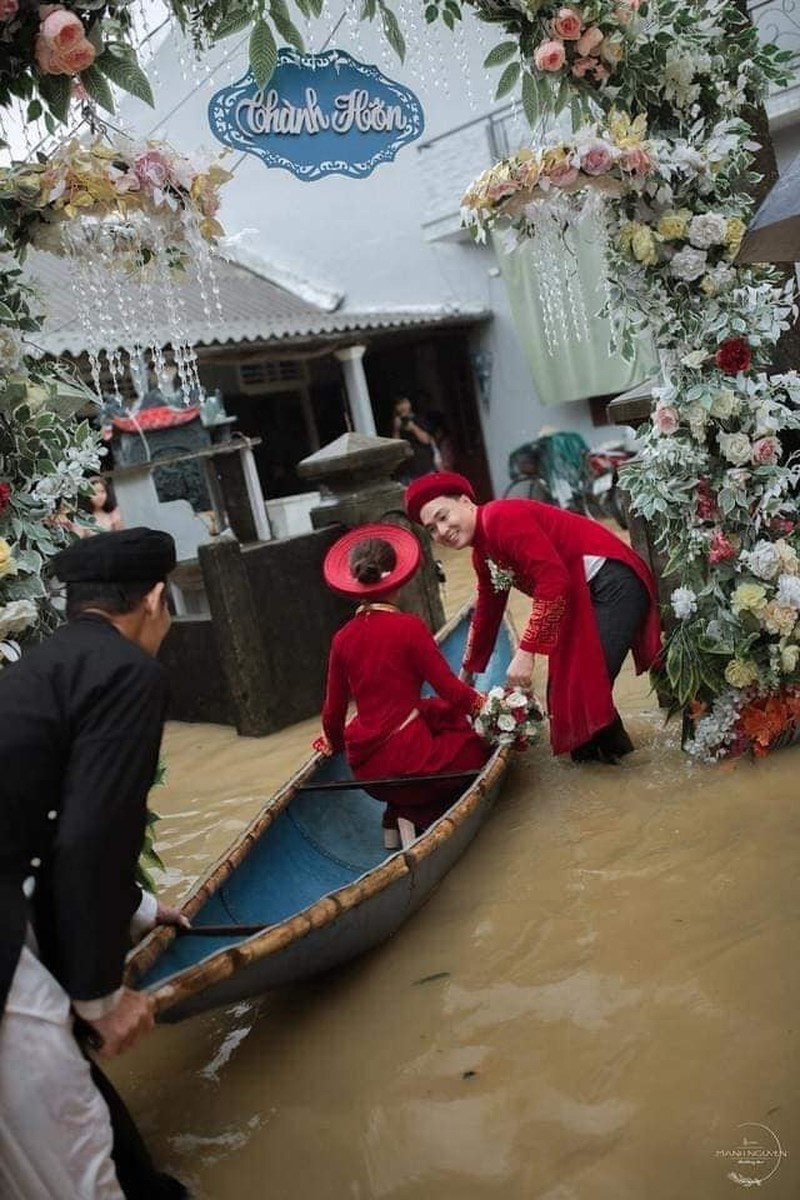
(5, 496)
(706, 509)
(733, 356)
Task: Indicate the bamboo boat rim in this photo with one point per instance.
(218, 965)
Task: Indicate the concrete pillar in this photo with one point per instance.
(356, 471)
(239, 638)
(357, 391)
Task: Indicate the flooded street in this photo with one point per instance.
(598, 1002)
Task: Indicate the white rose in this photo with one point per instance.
(10, 349)
(724, 404)
(684, 602)
(16, 616)
(688, 264)
(517, 700)
(496, 693)
(707, 229)
(735, 447)
(506, 722)
(788, 593)
(763, 560)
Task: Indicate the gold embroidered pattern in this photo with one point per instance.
(542, 627)
(376, 607)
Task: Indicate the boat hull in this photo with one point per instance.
(311, 869)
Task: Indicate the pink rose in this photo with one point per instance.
(152, 169)
(600, 71)
(124, 181)
(596, 158)
(666, 419)
(582, 65)
(76, 59)
(765, 452)
(563, 174)
(589, 41)
(567, 24)
(62, 29)
(721, 548)
(549, 56)
(8, 9)
(499, 191)
(636, 161)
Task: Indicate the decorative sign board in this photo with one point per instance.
(320, 114)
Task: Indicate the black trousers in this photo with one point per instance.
(620, 602)
(136, 1173)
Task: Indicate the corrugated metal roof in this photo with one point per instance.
(255, 309)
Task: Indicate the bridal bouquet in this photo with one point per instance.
(509, 717)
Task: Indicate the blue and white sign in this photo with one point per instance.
(320, 114)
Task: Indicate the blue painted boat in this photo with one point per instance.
(311, 869)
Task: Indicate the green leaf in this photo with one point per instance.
(6, 314)
(500, 54)
(263, 53)
(316, 6)
(126, 74)
(35, 110)
(530, 98)
(393, 32)
(447, 17)
(97, 87)
(285, 26)
(431, 13)
(234, 20)
(57, 93)
(368, 10)
(508, 80)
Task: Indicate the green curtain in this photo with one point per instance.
(579, 368)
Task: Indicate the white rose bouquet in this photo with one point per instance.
(509, 717)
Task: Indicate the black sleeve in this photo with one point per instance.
(112, 763)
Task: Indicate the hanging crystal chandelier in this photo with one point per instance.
(137, 223)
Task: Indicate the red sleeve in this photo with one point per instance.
(490, 605)
(337, 696)
(435, 668)
(517, 541)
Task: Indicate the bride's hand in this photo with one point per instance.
(520, 670)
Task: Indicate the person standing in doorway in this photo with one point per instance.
(82, 716)
(406, 425)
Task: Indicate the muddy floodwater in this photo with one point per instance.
(600, 1002)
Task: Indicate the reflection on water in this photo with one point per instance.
(602, 990)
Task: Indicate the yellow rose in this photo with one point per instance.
(789, 657)
(735, 230)
(7, 564)
(741, 672)
(643, 245)
(787, 557)
(674, 224)
(748, 597)
(778, 618)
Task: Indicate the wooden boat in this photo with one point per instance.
(311, 875)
